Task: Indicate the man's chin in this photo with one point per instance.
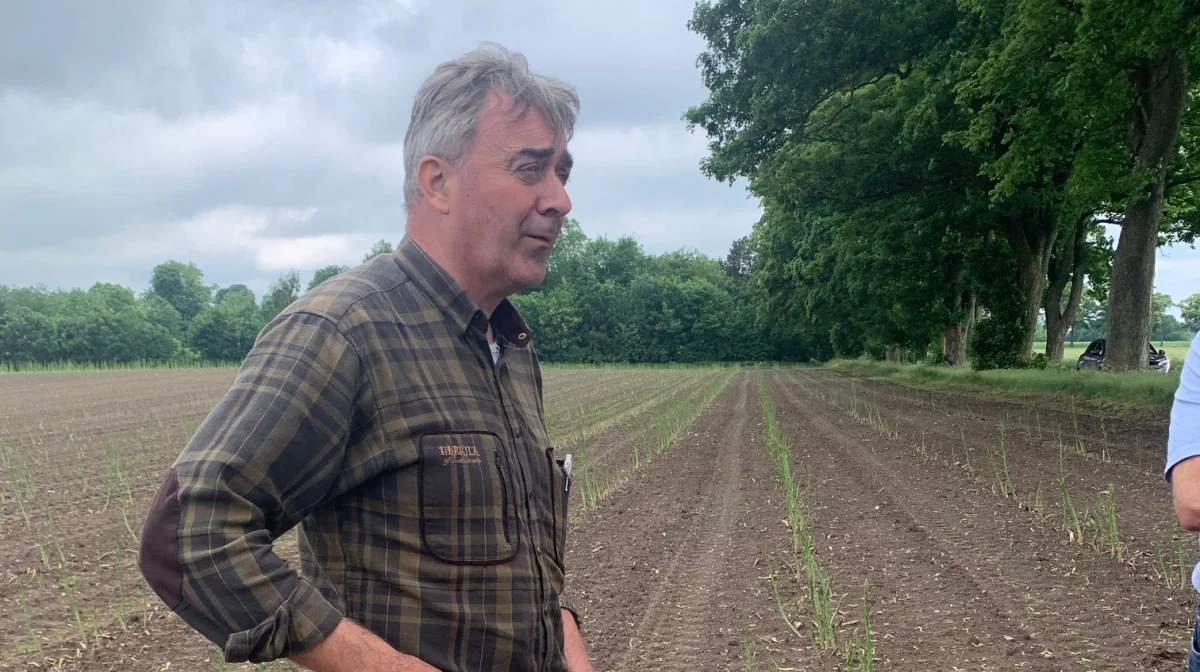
(530, 277)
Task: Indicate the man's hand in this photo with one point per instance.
(1185, 486)
(577, 657)
(353, 648)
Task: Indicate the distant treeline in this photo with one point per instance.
(602, 301)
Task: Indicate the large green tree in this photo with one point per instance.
(281, 294)
(182, 285)
(27, 336)
(159, 311)
(1088, 97)
(1023, 121)
(324, 273)
(1189, 310)
(226, 332)
(232, 290)
(380, 247)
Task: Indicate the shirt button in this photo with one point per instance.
(517, 432)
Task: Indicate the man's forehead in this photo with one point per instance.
(515, 127)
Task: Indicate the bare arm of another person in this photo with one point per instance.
(269, 454)
(1183, 443)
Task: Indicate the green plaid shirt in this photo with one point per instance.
(431, 507)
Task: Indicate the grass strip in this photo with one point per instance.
(1142, 395)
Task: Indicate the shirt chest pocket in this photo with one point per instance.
(464, 497)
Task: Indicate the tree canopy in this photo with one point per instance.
(934, 174)
(602, 301)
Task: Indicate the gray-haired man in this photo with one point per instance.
(395, 414)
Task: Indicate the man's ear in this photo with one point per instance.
(436, 180)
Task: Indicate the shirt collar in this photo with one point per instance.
(450, 298)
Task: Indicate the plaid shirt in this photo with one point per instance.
(431, 507)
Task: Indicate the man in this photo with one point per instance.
(1183, 471)
(395, 413)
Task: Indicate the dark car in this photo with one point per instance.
(1093, 357)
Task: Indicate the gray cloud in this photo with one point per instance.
(253, 137)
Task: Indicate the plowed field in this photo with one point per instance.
(987, 536)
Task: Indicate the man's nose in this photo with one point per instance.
(554, 201)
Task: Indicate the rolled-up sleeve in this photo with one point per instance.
(264, 458)
(1183, 439)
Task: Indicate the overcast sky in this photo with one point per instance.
(256, 137)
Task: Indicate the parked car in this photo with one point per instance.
(1093, 357)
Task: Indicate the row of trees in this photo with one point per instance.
(936, 173)
(603, 301)
(179, 317)
(1091, 320)
(608, 301)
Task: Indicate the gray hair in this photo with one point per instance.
(445, 113)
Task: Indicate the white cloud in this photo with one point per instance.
(255, 137)
(1177, 271)
(339, 61)
(641, 148)
(310, 252)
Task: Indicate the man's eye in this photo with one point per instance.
(563, 176)
(532, 168)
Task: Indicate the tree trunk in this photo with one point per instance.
(1032, 243)
(1160, 98)
(1067, 266)
(956, 336)
(892, 354)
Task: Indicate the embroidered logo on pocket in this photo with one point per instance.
(464, 498)
(453, 454)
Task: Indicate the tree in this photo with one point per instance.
(552, 320)
(1056, 113)
(1090, 320)
(1159, 324)
(281, 294)
(182, 285)
(841, 111)
(1068, 269)
(226, 332)
(380, 247)
(93, 333)
(113, 297)
(1189, 309)
(740, 259)
(158, 311)
(324, 273)
(26, 336)
(1159, 100)
(618, 261)
(567, 254)
(240, 291)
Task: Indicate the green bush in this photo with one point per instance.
(995, 344)
(935, 357)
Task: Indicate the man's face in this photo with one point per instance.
(510, 206)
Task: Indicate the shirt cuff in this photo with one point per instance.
(301, 622)
(564, 603)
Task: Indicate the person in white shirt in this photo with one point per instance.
(1183, 472)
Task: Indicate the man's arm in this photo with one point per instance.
(353, 648)
(577, 657)
(267, 455)
(1183, 442)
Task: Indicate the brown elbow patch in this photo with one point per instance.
(158, 554)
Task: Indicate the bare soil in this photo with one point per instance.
(670, 568)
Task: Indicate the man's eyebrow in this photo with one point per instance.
(539, 153)
(567, 161)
